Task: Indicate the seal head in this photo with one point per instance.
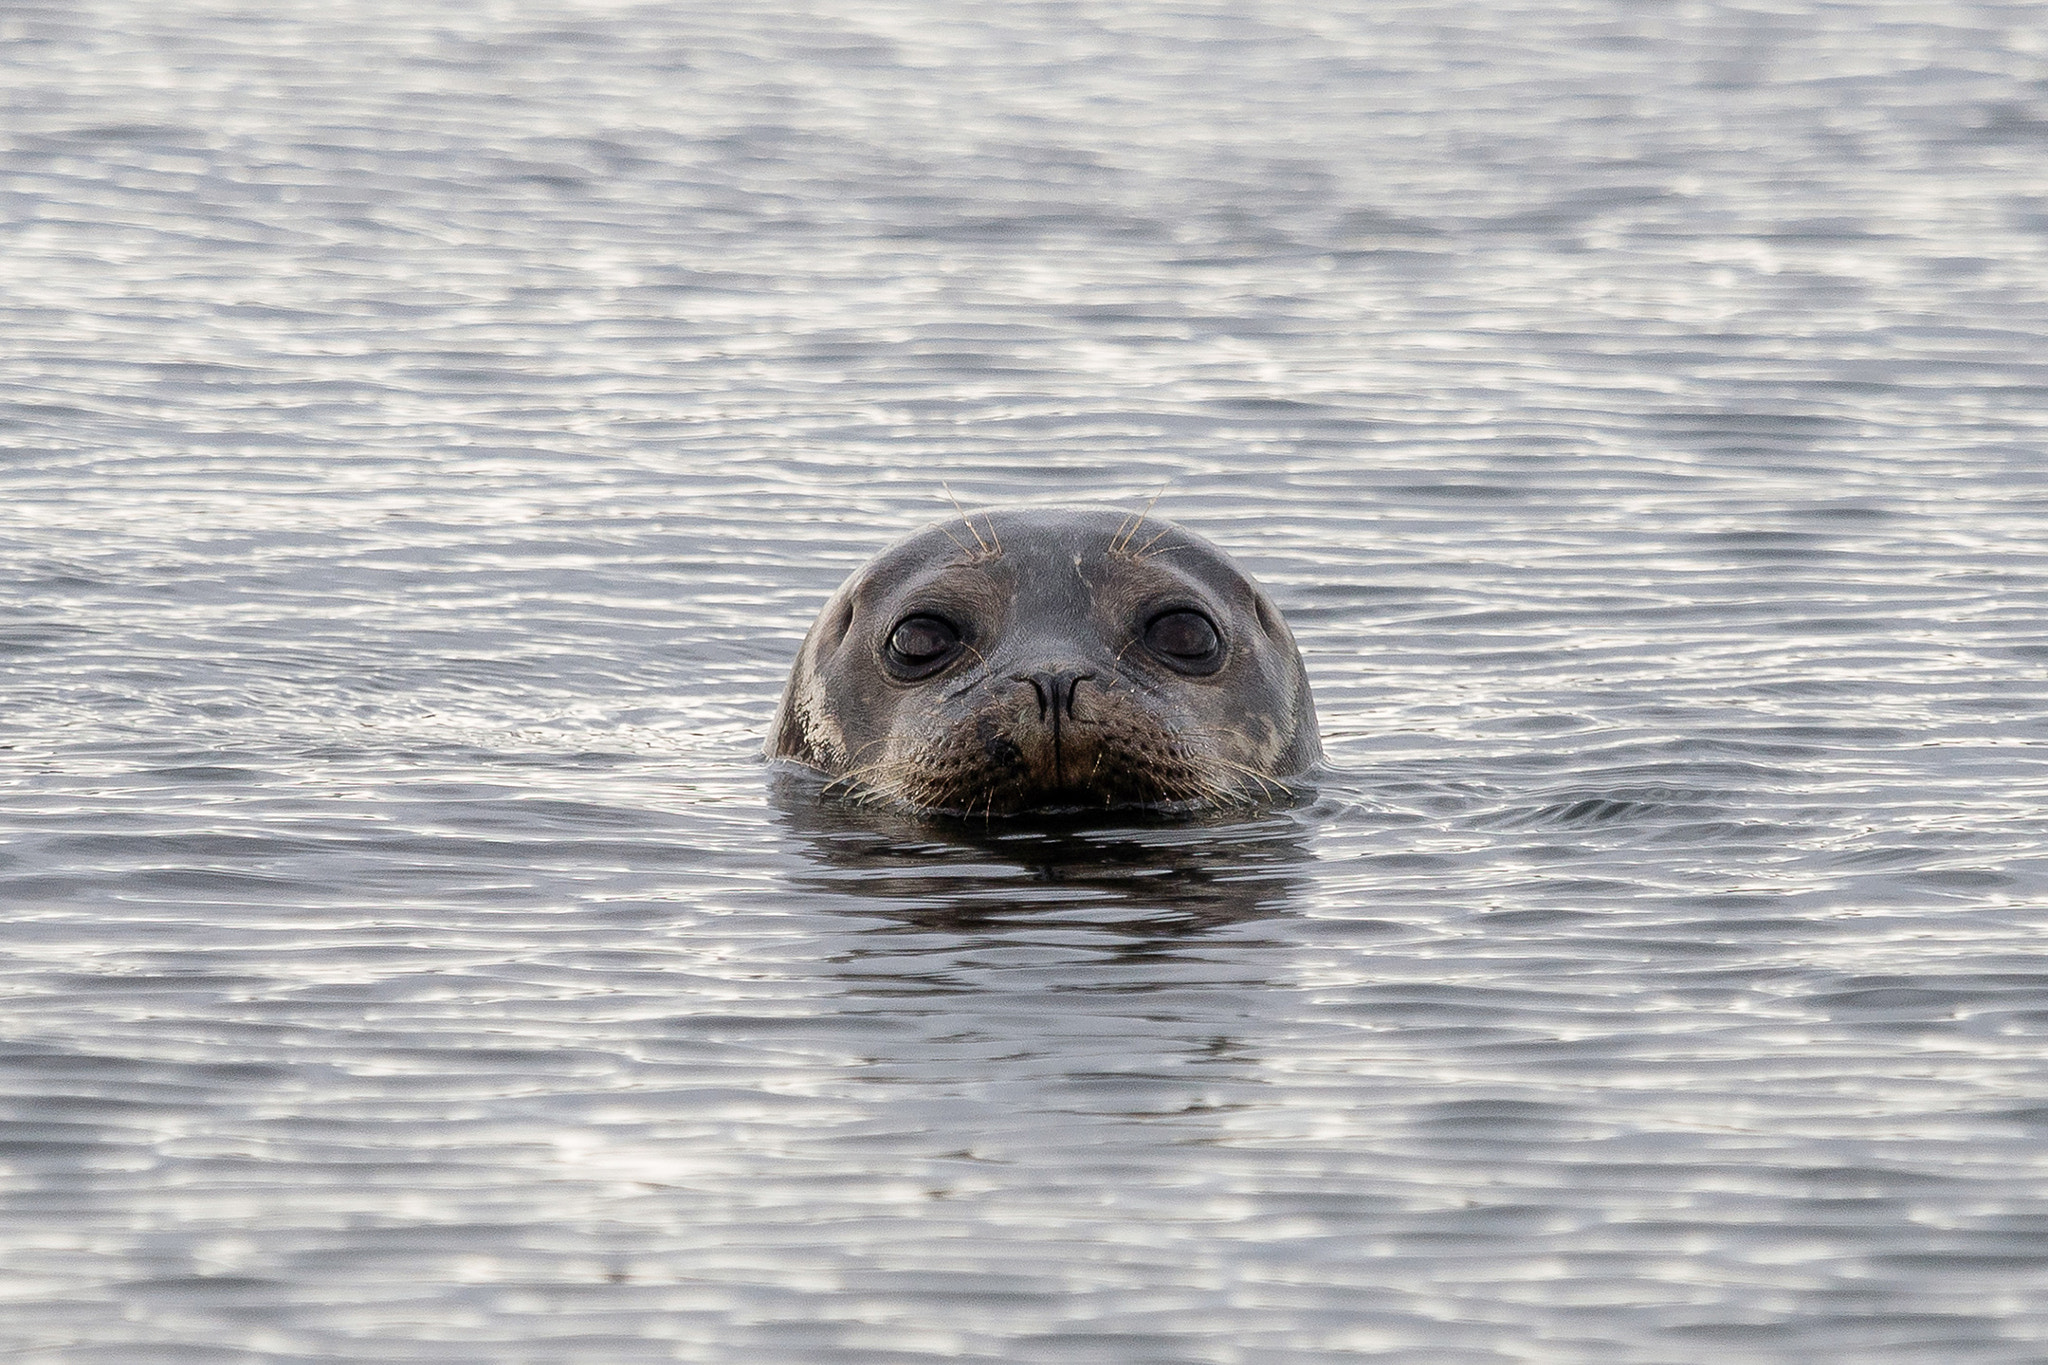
(1050, 659)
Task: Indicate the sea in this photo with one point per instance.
(427, 430)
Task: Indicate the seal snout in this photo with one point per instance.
(1051, 741)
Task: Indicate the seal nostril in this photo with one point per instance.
(1038, 689)
(1074, 681)
(1056, 690)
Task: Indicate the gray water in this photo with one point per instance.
(429, 428)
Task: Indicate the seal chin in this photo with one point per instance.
(1054, 668)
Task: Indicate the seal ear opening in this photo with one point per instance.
(1269, 620)
(832, 628)
(788, 736)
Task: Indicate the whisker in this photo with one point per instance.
(1150, 543)
(965, 520)
(1268, 788)
(956, 541)
(1115, 547)
(1120, 529)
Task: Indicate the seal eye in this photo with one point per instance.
(1185, 637)
(922, 642)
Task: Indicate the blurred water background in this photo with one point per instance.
(429, 427)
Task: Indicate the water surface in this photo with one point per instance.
(428, 430)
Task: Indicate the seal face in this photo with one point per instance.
(1050, 659)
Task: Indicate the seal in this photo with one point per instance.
(1046, 660)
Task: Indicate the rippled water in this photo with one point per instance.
(429, 428)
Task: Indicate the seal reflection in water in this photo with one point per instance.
(1050, 659)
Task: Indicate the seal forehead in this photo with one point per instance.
(1048, 571)
(1078, 537)
(1072, 535)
